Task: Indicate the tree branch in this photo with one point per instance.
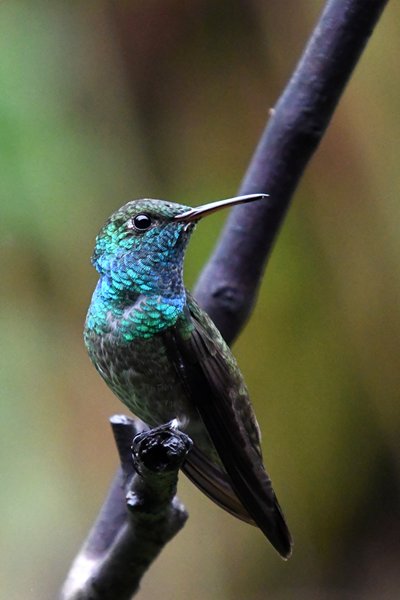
(140, 515)
(118, 550)
(228, 285)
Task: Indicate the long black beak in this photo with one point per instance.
(194, 214)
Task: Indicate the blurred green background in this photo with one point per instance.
(102, 102)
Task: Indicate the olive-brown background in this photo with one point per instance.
(104, 102)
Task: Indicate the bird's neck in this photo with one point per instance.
(129, 308)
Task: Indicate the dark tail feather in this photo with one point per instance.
(218, 487)
(214, 484)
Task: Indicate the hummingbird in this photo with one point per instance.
(164, 358)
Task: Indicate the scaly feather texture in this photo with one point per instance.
(165, 359)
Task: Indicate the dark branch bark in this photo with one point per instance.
(119, 541)
(140, 515)
(228, 286)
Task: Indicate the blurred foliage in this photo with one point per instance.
(104, 102)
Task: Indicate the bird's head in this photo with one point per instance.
(140, 230)
(141, 246)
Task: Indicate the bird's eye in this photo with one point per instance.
(142, 222)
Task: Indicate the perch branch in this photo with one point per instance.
(228, 285)
(140, 514)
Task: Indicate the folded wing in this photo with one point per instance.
(210, 376)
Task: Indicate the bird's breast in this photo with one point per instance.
(142, 376)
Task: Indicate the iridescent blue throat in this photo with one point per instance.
(139, 293)
(142, 317)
